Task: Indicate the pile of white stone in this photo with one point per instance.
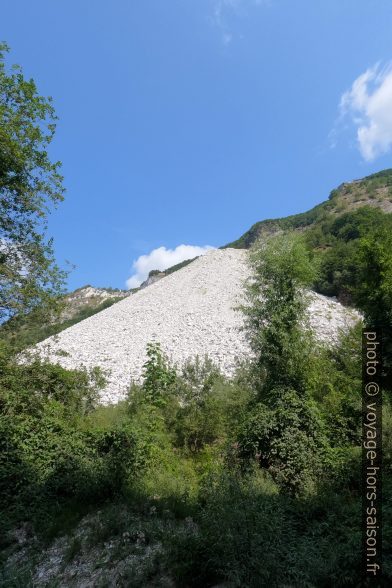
(190, 312)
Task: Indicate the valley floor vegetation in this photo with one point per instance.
(195, 480)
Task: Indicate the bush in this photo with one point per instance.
(287, 440)
(208, 406)
(50, 447)
(251, 536)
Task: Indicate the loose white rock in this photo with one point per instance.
(189, 312)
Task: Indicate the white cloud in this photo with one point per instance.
(222, 10)
(162, 258)
(369, 104)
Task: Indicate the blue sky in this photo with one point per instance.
(184, 122)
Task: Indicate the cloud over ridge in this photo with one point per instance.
(162, 258)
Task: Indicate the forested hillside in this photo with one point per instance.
(374, 191)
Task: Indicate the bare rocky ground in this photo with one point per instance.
(190, 312)
(112, 548)
(88, 296)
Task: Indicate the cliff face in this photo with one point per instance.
(152, 278)
(88, 297)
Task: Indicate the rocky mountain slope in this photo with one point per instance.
(190, 312)
(89, 297)
(22, 331)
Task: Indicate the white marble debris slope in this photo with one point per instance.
(190, 312)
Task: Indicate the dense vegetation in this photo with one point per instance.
(265, 465)
(350, 250)
(353, 253)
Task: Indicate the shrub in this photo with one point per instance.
(50, 447)
(251, 536)
(158, 376)
(287, 440)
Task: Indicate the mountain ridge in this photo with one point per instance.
(374, 190)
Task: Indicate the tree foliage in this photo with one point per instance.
(29, 184)
(275, 311)
(158, 376)
(283, 429)
(355, 264)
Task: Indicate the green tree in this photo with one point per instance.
(204, 405)
(283, 429)
(337, 245)
(29, 184)
(159, 377)
(275, 312)
(374, 292)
